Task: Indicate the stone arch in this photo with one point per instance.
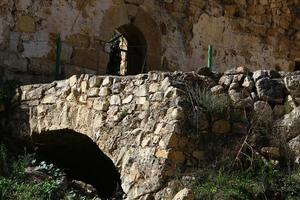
(120, 15)
(81, 159)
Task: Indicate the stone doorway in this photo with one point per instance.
(297, 65)
(128, 50)
(81, 159)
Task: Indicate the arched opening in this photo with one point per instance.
(81, 159)
(297, 65)
(128, 50)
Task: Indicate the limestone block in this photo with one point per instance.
(173, 92)
(115, 100)
(72, 97)
(185, 194)
(104, 91)
(101, 105)
(94, 81)
(73, 80)
(162, 153)
(248, 83)
(107, 81)
(23, 4)
(35, 94)
(272, 90)
(154, 87)
(294, 146)
(93, 92)
(234, 86)
(127, 99)
(176, 156)
(177, 114)
(25, 24)
(259, 74)
(141, 100)
(289, 125)
(238, 95)
(84, 86)
(83, 98)
(238, 70)
(292, 83)
(141, 91)
(218, 89)
(165, 83)
(226, 80)
(158, 96)
(50, 99)
(263, 111)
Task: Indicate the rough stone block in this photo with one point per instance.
(25, 24)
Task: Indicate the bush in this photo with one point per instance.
(264, 181)
(15, 185)
(217, 105)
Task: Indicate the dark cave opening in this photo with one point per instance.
(81, 159)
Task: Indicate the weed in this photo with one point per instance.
(264, 181)
(216, 105)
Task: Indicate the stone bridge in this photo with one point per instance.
(136, 121)
(151, 129)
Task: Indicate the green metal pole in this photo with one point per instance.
(209, 60)
(58, 57)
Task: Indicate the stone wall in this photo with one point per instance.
(258, 34)
(153, 127)
(135, 121)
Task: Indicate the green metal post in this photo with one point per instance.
(209, 60)
(58, 69)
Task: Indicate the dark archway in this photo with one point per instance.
(128, 51)
(297, 65)
(81, 158)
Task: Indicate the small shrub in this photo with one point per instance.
(262, 181)
(217, 105)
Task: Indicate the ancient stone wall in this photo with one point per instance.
(135, 121)
(259, 34)
(156, 127)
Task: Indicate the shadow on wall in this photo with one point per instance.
(81, 158)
